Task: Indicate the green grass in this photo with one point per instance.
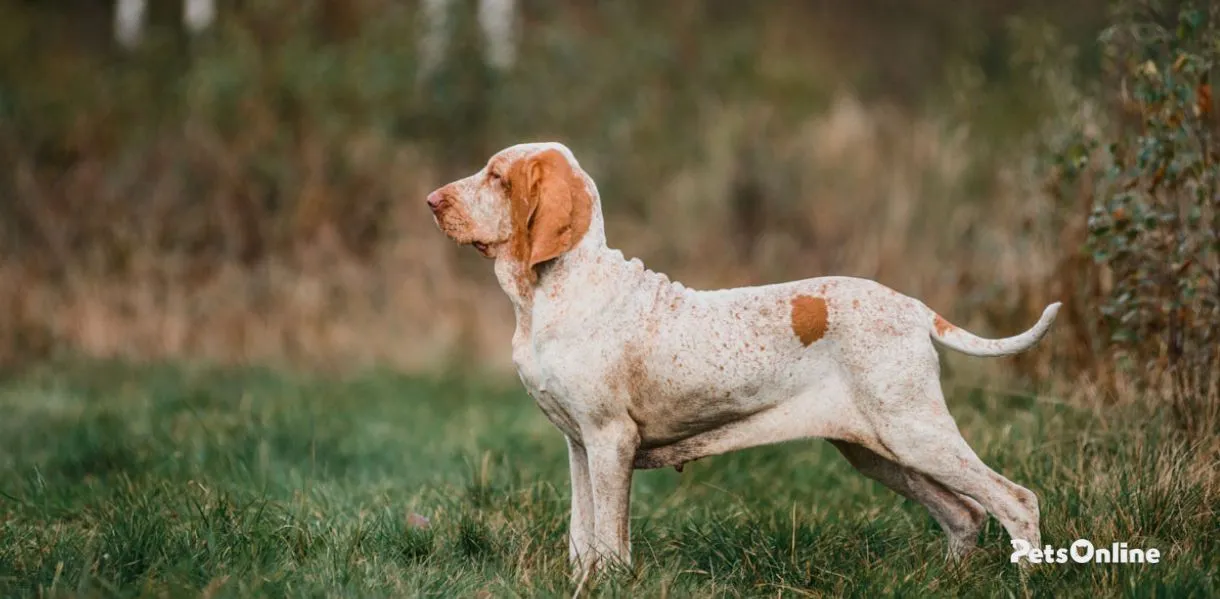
(173, 481)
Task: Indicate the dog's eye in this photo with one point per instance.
(497, 179)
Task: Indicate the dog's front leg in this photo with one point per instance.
(611, 450)
(580, 528)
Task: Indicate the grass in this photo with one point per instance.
(118, 480)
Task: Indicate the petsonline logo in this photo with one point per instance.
(1082, 551)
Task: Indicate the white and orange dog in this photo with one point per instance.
(638, 371)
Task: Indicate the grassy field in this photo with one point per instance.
(174, 481)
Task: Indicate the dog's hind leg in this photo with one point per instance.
(936, 450)
(907, 410)
(959, 516)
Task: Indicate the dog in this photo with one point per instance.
(639, 372)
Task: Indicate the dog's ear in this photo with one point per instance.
(551, 208)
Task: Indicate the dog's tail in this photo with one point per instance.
(952, 337)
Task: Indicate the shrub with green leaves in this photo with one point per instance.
(1156, 203)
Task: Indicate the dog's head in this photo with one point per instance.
(530, 203)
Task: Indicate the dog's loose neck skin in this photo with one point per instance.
(591, 269)
(522, 287)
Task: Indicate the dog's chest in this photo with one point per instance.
(561, 380)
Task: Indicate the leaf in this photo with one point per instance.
(1203, 100)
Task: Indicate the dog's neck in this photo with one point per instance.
(589, 273)
(522, 286)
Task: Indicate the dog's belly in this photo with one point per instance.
(721, 400)
(824, 410)
(667, 419)
(672, 400)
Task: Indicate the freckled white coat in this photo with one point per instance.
(640, 372)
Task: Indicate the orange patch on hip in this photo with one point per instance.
(942, 325)
(809, 318)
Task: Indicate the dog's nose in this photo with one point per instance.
(436, 200)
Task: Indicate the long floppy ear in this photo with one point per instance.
(551, 208)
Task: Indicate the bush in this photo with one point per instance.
(1152, 230)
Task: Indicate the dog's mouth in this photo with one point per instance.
(456, 226)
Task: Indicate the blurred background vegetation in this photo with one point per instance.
(254, 194)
